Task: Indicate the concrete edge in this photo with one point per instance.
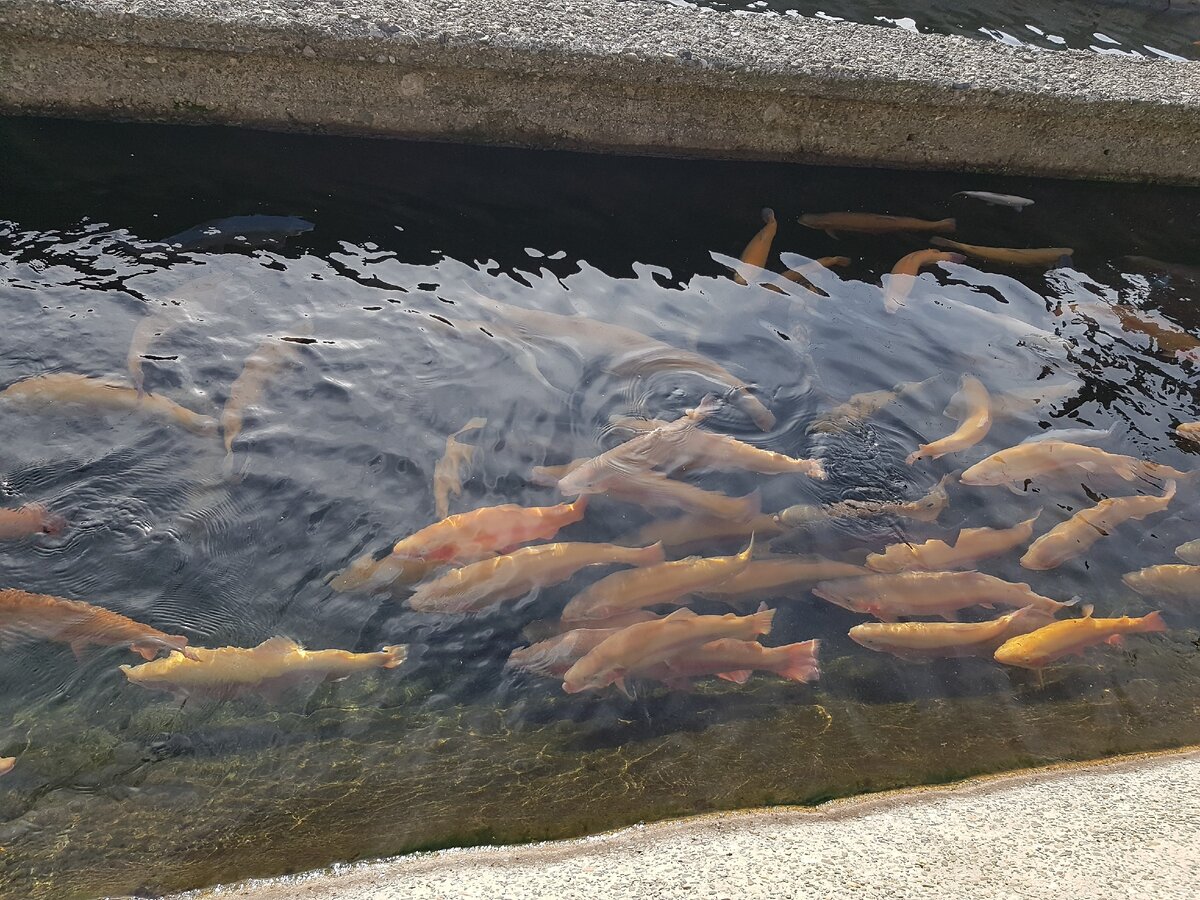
(606, 75)
(631, 838)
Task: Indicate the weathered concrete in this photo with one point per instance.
(1129, 829)
(605, 75)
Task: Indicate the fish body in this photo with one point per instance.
(6, 764)
(653, 490)
(80, 624)
(248, 388)
(449, 470)
(481, 533)
(1169, 339)
(1039, 648)
(1189, 431)
(32, 518)
(759, 249)
(1071, 435)
(687, 530)
(735, 660)
(543, 629)
(143, 336)
(1047, 257)
(923, 509)
(1071, 538)
(1180, 582)
(67, 389)
(766, 577)
(802, 274)
(972, 545)
(863, 406)
(888, 597)
(1010, 200)
(239, 231)
(1014, 403)
(666, 582)
(274, 664)
(555, 655)
(904, 275)
(972, 406)
(923, 640)
(872, 223)
(640, 647)
(484, 584)
(1189, 552)
(1024, 463)
(366, 573)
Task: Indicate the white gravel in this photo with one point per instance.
(1113, 830)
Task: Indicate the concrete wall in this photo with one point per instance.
(608, 76)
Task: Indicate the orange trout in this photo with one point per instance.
(1038, 649)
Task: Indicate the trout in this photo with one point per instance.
(653, 490)
(1024, 463)
(766, 577)
(923, 509)
(63, 389)
(1189, 552)
(80, 625)
(863, 406)
(486, 583)
(1179, 582)
(1010, 200)
(1071, 538)
(923, 640)
(1047, 257)
(972, 407)
(687, 530)
(6, 764)
(449, 471)
(887, 597)
(366, 573)
(1189, 431)
(274, 665)
(759, 248)
(638, 648)
(475, 535)
(1014, 403)
(555, 655)
(904, 275)
(143, 336)
(972, 545)
(733, 660)
(32, 518)
(871, 223)
(1038, 649)
(248, 388)
(1175, 341)
(544, 629)
(665, 582)
(801, 275)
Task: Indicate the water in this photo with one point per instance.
(1113, 27)
(119, 789)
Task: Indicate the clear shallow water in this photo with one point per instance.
(117, 789)
(1110, 27)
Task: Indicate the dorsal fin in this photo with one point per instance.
(682, 613)
(278, 644)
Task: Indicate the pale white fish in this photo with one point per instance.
(1072, 435)
(1189, 552)
(1010, 200)
(1017, 328)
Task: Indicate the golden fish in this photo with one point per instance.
(543, 629)
(665, 582)
(918, 640)
(553, 656)
(1175, 341)
(1037, 256)
(972, 406)
(1189, 552)
(653, 490)
(904, 275)
(1180, 582)
(887, 597)
(67, 389)
(923, 509)
(863, 406)
(6, 764)
(640, 647)
(491, 581)
(248, 388)
(79, 624)
(733, 660)
(448, 473)
(481, 533)
(275, 664)
(801, 275)
(766, 577)
(973, 544)
(1038, 649)
(1189, 430)
(1070, 538)
(366, 573)
(1014, 403)
(759, 248)
(687, 530)
(1024, 463)
(32, 518)
(872, 223)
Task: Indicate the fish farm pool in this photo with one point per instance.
(562, 301)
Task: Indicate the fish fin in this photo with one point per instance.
(988, 605)
(624, 688)
(78, 647)
(1088, 610)
(952, 615)
(832, 234)
(278, 644)
(708, 406)
(737, 676)
(655, 553)
(957, 407)
(398, 654)
(1114, 640)
(762, 620)
(762, 606)
(800, 663)
(148, 651)
(1152, 622)
(682, 613)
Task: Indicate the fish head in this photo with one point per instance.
(582, 677)
(865, 636)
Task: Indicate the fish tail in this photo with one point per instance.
(1152, 622)
(737, 676)
(760, 622)
(396, 654)
(578, 507)
(649, 556)
(800, 661)
(947, 225)
(748, 553)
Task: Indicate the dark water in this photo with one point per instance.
(117, 789)
(1116, 27)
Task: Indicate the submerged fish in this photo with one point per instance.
(274, 665)
(32, 518)
(1072, 435)
(654, 490)
(689, 529)
(555, 655)
(1048, 257)
(802, 274)
(240, 231)
(759, 248)
(923, 640)
(923, 509)
(1010, 200)
(143, 335)
(1180, 582)
(488, 582)
(247, 389)
(863, 406)
(872, 223)
(1189, 552)
(1169, 339)
(79, 624)
(904, 275)
(1015, 402)
(734, 660)
(543, 629)
(888, 597)
(665, 582)
(766, 577)
(6, 764)
(972, 406)
(638, 648)
(1071, 538)
(1189, 430)
(481, 533)
(51, 392)
(972, 545)
(1019, 465)
(1038, 649)
(366, 573)
(448, 473)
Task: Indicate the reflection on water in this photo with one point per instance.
(1134, 28)
(457, 328)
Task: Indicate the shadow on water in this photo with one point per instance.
(391, 302)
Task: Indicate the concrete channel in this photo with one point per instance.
(606, 75)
